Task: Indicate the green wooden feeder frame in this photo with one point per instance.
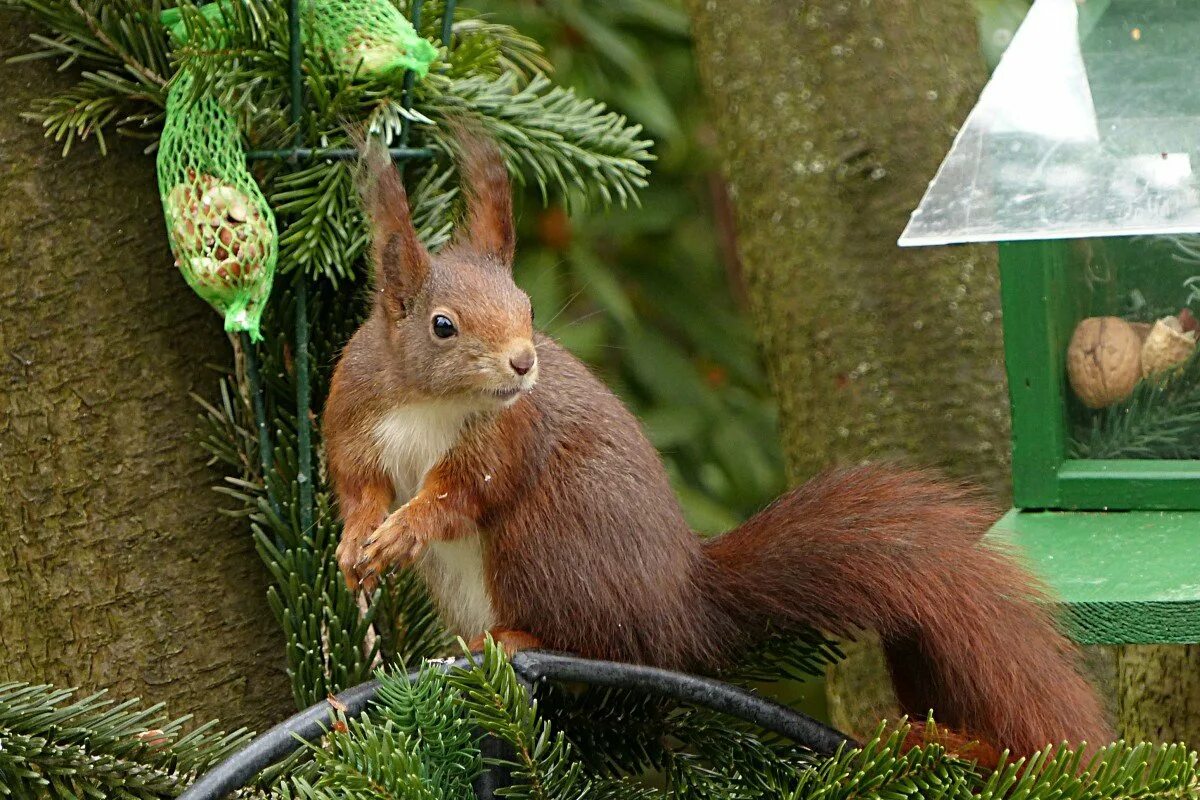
(1087, 89)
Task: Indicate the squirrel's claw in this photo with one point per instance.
(368, 580)
(349, 558)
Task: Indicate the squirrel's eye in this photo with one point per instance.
(443, 328)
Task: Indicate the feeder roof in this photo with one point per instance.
(1090, 126)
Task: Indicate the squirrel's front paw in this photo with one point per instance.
(395, 543)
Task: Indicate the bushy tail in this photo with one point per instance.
(899, 552)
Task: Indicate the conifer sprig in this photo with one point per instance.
(54, 744)
(425, 736)
(569, 147)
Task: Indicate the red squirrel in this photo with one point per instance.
(463, 442)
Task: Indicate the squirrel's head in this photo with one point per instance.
(457, 320)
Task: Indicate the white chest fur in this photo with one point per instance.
(410, 440)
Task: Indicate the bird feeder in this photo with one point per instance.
(1080, 160)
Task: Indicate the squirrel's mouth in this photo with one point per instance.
(505, 394)
(508, 395)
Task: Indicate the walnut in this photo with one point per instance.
(1104, 360)
(1167, 346)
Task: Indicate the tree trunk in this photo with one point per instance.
(832, 118)
(118, 571)
(1158, 696)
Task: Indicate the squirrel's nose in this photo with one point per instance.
(522, 362)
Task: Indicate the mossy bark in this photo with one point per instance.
(1158, 695)
(117, 570)
(832, 118)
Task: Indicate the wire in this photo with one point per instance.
(266, 451)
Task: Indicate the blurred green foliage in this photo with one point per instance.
(644, 295)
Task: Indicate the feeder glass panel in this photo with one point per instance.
(1132, 381)
(1090, 126)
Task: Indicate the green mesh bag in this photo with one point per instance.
(221, 229)
(368, 35)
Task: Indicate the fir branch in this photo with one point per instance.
(323, 630)
(622, 732)
(121, 35)
(227, 434)
(365, 760)
(97, 29)
(486, 47)
(882, 768)
(420, 736)
(323, 233)
(431, 715)
(543, 765)
(78, 114)
(568, 144)
(124, 50)
(794, 656)
(732, 758)
(408, 622)
(54, 745)
(100, 100)
(415, 743)
(435, 204)
(615, 731)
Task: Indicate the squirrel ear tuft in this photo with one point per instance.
(401, 261)
(489, 228)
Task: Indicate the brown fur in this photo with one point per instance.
(982, 753)
(489, 226)
(585, 548)
(511, 641)
(961, 622)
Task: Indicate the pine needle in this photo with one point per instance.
(1160, 420)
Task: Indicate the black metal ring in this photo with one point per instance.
(533, 666)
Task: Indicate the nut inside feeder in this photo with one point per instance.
(1167, 346)
(1104, 361)
(1108, 356)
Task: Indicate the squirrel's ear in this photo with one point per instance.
(401, 261)
(489, 227)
